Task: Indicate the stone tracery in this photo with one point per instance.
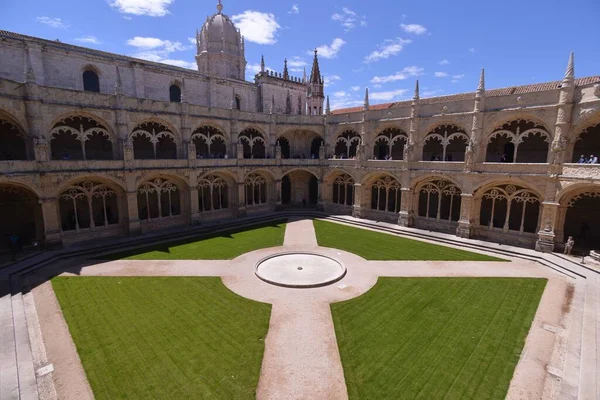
(386, 193)
(256, 190)
(158, 199)
(445, 143)
(390, 143)
(343, 190)
(253, 143)
(152, 140)
(521, 141)
(440, 200)
(499, 209)
(346, 144)
(80, 138)
(13, 142)
(88, 204)
(210, 142)
(213, 194)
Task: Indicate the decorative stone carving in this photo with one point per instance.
(41, 149)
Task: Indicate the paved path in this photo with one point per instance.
(301, 359)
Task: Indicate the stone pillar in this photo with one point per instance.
(240, 151)
(191, 150)
(278, 203)
(405, 218)
(546, 235)
(241, 199)
(52, 229)
(465, 229)
(133, 215)
(320, 196)
(278, 152)
(357, 207)
(194, 206)
(41, 149)
(128, 154)
(322, 152)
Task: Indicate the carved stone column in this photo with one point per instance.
(194, 206)
(191, 150)
(465, 228)
(241, 199)
(322, 152)
(405, 217)
(546, 235)
(41, 149)
(278, 203)
(357, 207)
(133, 215)
(128, 154)
(240, 151)
(52, 230)
(320, 196)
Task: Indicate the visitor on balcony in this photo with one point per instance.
(593, 159)
(582, 160)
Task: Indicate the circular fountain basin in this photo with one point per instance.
(300, 270)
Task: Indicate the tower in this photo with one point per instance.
(315, 96)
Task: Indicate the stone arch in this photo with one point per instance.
(438, 198)
(284, 145)
(519, 140)
(389, 144)
(331, 174)
(300, 186)
(175, 92)
(81, 137)
(257, 185)
(161, 197)
(90, 78)
(254, 143)
(21, 215)
(210, 142)
(303, 143)
(215, 192)
(384, 192)
(445, 142)
(579, 215)
(154, 139)
(587, 144)
(342, 189)
(15, 144)
(346, 144)
(112, 182)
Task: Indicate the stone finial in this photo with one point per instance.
(366, 99)
(262, 63)
(570, 73)
(481, 87)
(219, 7)
(29, 72)
(327, 107)
(286, 74)
(118, 83)
(304, 76)
(288, 104)
(416, 95)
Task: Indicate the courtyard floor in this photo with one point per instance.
(301, 358)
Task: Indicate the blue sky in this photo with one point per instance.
(383, 45)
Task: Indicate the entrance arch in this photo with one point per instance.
(21, 214)
(582, 219)
(300, 187)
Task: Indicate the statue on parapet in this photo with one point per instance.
(569, 246)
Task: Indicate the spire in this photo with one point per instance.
(304, 76)
(262, 63)
(286, 74)
(416, 96)
(366, 98)
(118, 83)
(570, 73)
(327, 107)
(481, 87)
(315, 74)
(219, 7)
(29, 72)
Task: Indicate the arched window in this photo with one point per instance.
(519, 141)
(386, 195)
(175, 94)
(13, 145)
(21, 214)
(343, 190)
(510, 208)
(256, 190)
(587, 144)
(445, 143)
(158, 199)
(88, 205)
(238, 103)
(91, 82)
(582, 219)
(210, 142)
(213, 194)
(440, 200)
(80, 138)
(284, 145)
(346, 144)
(253, 142)
(389, 144)
(152, 140)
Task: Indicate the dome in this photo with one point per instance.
(219, 34)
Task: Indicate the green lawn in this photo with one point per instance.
(372, 245)
(435, 338)
(164, 338)
(220, 246)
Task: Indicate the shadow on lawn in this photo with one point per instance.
(165, 247)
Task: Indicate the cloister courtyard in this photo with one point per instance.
(410, 318)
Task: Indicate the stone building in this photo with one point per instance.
(98, 145)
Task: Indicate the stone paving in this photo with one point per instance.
(301, 359)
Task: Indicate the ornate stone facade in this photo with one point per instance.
(129, 158)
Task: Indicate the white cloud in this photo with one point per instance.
(255, 68)
(295, 9)
(440, 74)
(192, 40)
(257, 27)
(444, 62)
(343, 99)
(88, 40)
(390, 47)
(151, 8)
(341, 93)
(297, 64)
(399, 76)
(330, 51)
(158, 50)
(430, 93)
(330, 80)
(348, 19)
(388, 96)
(355, 88)
(53, 22)
(458, 76)
(414, 28)
(472, 50)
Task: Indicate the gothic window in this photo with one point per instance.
(88, 205)
(343, 190)
(175, 94)
(152, 140)
(386, 194)
(440, 200)
(210, 142)
(91, 82)
(587, 144)
(519, 141)
(238, 103)
(445, 143)
(158, 199)
(284, 145)
(256, 190)
(80, 138)
(253, 142)
(13, 145)
(213, 194)
(346, 144)
(390, 144)
(510, 208)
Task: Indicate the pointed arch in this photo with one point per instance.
(445, 142)
(389, 144)
(253, 142)
(154, 139)
(14, 143)
(159, 198)
(210, 142)
(346, 144)
(81, 137)
(519, 141)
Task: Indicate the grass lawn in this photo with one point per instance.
(164, 338)
(219, 246)
(435, 338)
(372, 245)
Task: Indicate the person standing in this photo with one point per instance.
(593, 159)
(582, 160)
(14, 245)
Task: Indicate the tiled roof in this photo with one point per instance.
(536, 87)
